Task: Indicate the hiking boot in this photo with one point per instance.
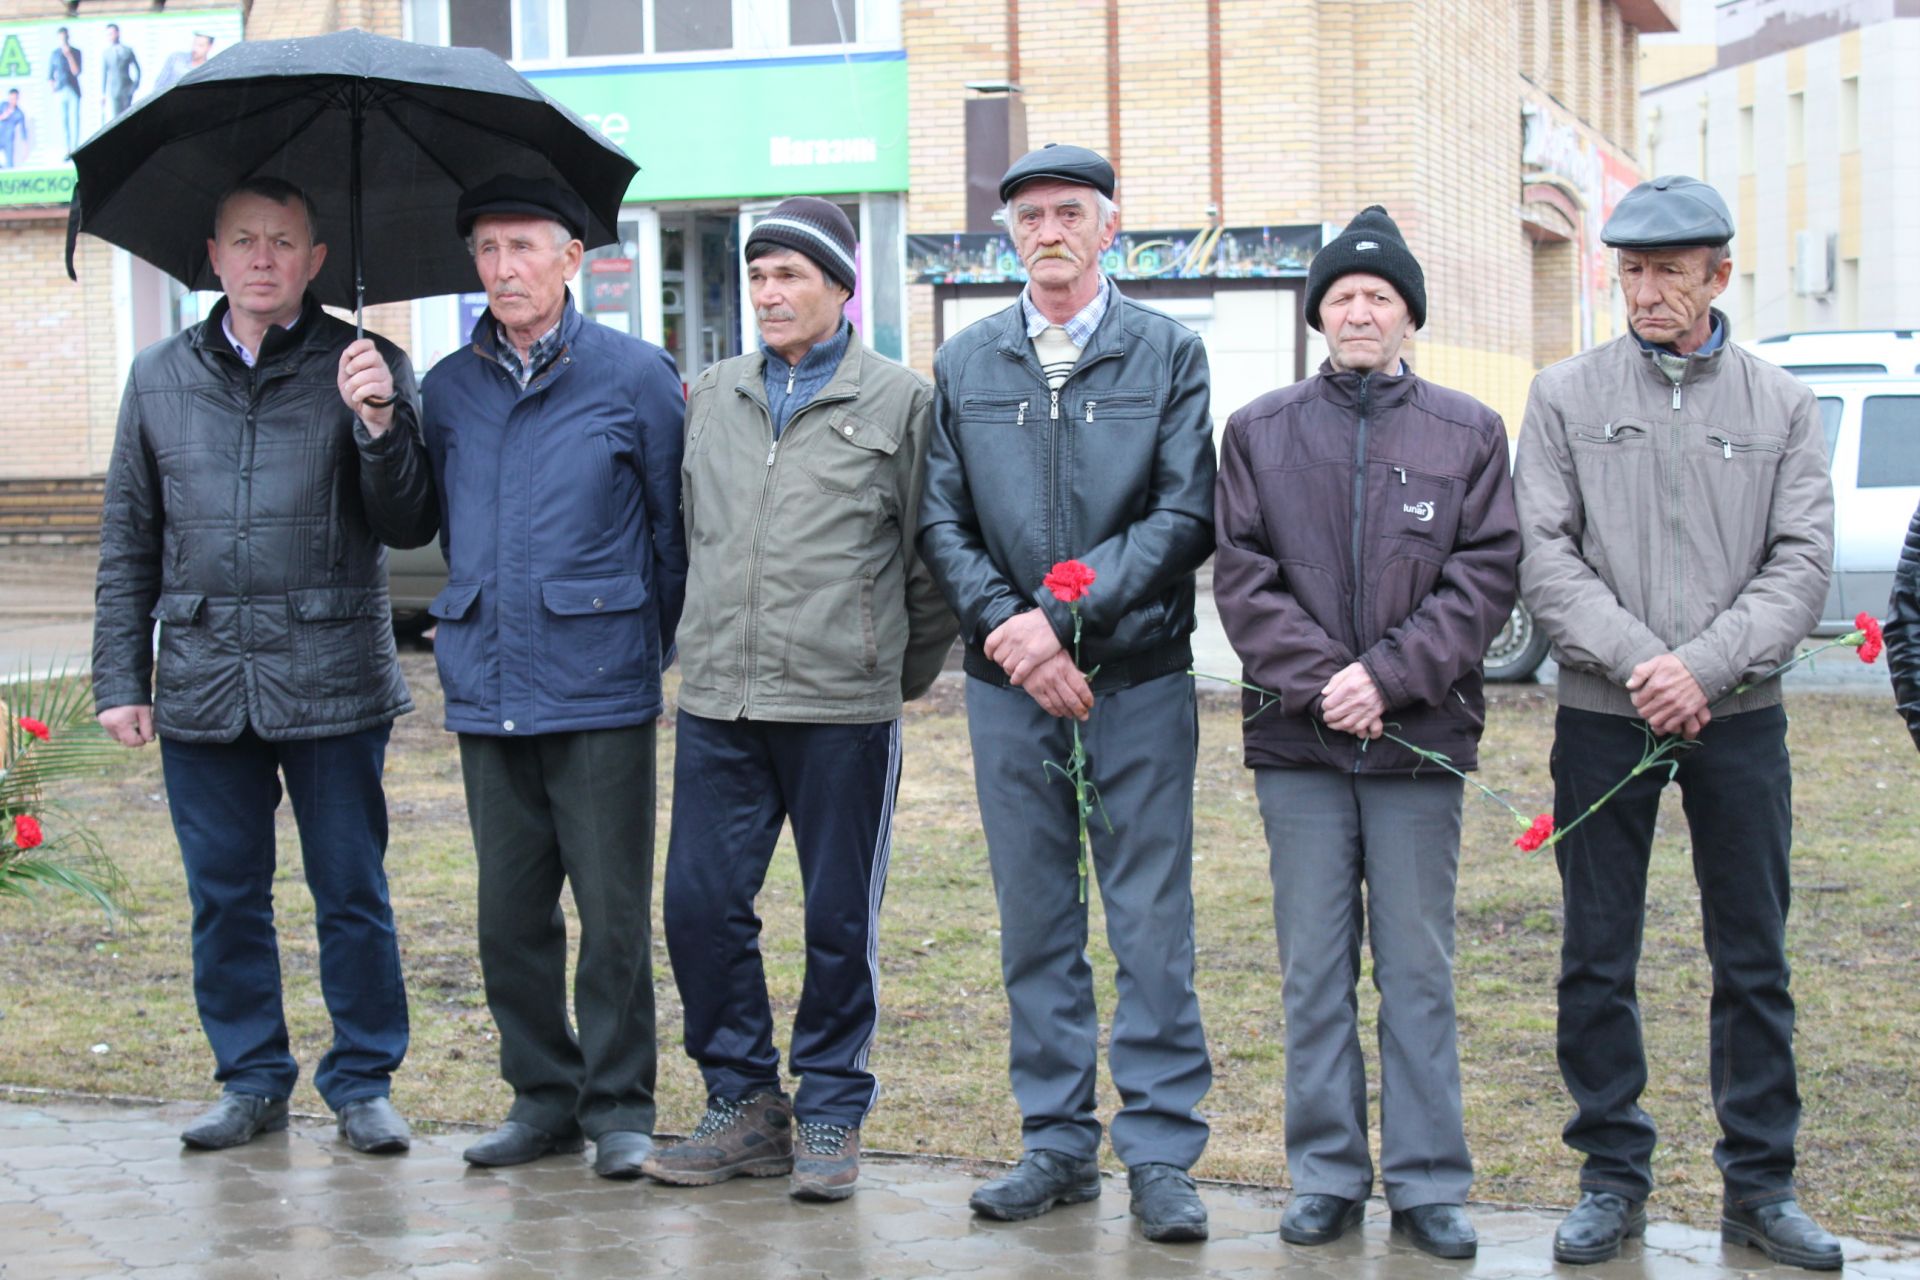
(751, 1136)
(826, 1161)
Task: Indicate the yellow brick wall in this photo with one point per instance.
(61, 373)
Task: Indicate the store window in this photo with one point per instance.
(820, 22)
(545, 30)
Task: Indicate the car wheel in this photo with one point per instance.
(1518, 650)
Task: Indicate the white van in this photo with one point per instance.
(1873, 448)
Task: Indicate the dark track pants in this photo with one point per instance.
(735, 783)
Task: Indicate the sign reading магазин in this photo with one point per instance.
(61, 79)
(814, 124)
(1196, 253)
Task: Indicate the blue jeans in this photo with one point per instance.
(1735, 786)
(222, 796)
(69, 100)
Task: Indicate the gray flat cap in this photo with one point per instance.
(1060, 162)
(1673, 212)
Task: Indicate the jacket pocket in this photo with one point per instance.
(460, 647)
(183, 637)
(596, 643)
(830, 652)
(333, 630)
(848, 458)
(1418, 509)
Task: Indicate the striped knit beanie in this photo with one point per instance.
(815, 227)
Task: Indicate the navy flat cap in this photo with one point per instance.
(525, 197)
(1673, 212)
(1060, 162)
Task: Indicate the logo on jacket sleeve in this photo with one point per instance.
(1421, 511)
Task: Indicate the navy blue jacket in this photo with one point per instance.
(560, 519)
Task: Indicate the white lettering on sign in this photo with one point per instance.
(784, 151)
(614, 126)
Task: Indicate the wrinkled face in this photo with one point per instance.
(265, 257)
(524, 265)
(1366, 322)
(1669, 291)
(1058, 232)
(797, 306)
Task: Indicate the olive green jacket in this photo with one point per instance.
(806, 600)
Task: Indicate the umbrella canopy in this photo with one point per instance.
(384, 136)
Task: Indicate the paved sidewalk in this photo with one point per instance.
(94, 1189)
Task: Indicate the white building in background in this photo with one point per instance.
(1808, 121)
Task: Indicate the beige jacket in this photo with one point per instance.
(806, 600)
(1672, 505)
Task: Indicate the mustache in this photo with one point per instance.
(1059, 251)
(764, 314)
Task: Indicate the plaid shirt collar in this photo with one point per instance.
(538, 355)
(1080, 328)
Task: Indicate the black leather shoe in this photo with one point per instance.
(372, 1125)
(1166, 1203)
(1312, 1218)
(1040, 1181)
(1597, 1225)
(618, 1154)
(1439, 1229)
(516, 1143)
(236, 1118)
(1783, 1232)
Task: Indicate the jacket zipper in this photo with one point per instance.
(1674, 497)
(1359, 516)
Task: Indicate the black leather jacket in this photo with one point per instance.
(245, 510)
(1903, 630)
(1116, 469)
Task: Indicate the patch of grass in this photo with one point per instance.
(69, 982)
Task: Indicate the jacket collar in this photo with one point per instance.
(210, 334)
(1109, 337)
(1383, 390)
(1672, 368)
(843, 385)
(486, 343)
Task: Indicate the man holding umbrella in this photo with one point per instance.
(555, 443)
(245, 507)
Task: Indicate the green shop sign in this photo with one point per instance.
(770, 127)
(56, 90)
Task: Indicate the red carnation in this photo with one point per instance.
(35, 727)
(1068, 581)
(26, 831)
(1537, 834)
(1871, 639)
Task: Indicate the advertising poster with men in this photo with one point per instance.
(61, 79)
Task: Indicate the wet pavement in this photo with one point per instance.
(96, 1189)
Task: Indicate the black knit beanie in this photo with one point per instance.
(1371, 243)
(815, 227)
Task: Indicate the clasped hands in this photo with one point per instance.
(1027, 649)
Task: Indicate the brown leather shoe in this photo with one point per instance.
(826, 1163)
(751, 1136)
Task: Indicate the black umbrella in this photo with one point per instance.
(383, 134)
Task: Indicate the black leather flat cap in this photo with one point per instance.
(1673, 212)
(527, 197)
(1060, 162)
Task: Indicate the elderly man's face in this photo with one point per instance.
(1057, 232)
(524, 265)
(265, 257)
(1668, 293)
(797, 307)
(1366, 322)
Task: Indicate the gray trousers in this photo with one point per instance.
(1329, 833)
(554, 809)
(1141, 744)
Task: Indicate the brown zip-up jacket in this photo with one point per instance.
(1672, 505)
(1364, 517)
(806, 600)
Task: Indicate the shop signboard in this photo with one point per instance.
(61, 79)
(743, 128)
(1193, 253)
